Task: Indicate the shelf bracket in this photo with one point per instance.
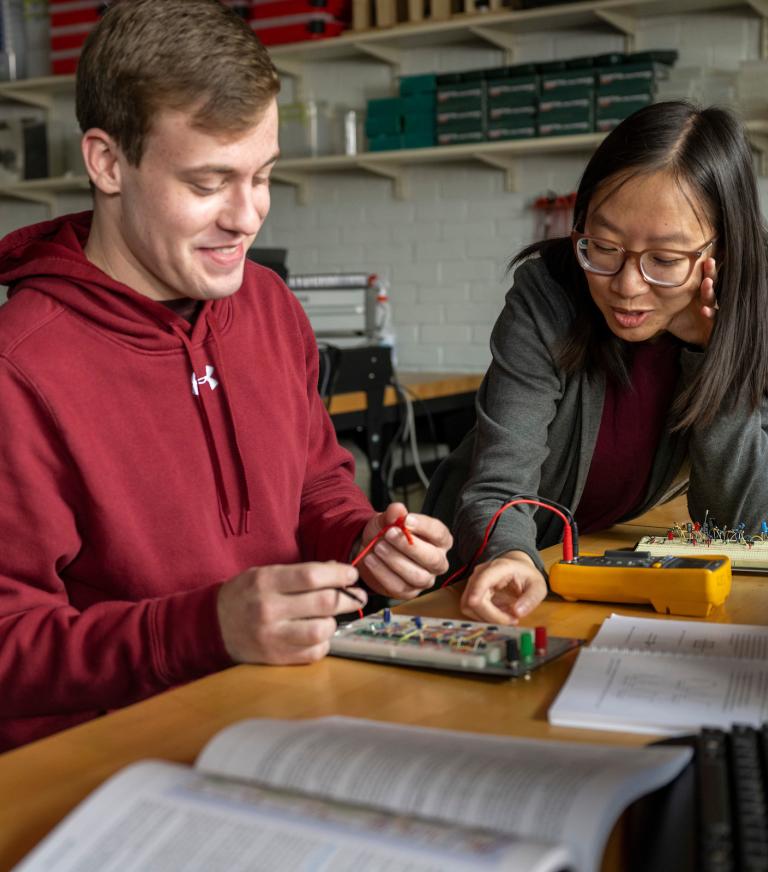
(47, 200)
(292, 68)
(623, 22)
(391, 56)
(299, 181)
(27, 96)
(393, 172)
(507, 164)
(759, 143)
(503, 39)
(761, 8)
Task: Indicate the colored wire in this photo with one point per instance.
(570, 531)
(400, 523)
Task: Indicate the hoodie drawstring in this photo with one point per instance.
(213, 447)
(245, 516)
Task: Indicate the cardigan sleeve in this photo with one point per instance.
(729, 460)
(516, 404)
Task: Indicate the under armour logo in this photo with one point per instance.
(207, 379)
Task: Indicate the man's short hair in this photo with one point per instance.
(145, 56)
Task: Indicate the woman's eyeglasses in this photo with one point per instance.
(658, 266)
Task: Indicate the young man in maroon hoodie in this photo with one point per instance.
(173, 496)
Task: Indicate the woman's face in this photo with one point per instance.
(645, 212)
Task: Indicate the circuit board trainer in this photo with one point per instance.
(453, 645)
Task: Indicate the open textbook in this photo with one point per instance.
(359, 796)
(647, 675)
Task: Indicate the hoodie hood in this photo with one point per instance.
(49, 258)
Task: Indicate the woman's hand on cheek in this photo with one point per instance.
(694, 324)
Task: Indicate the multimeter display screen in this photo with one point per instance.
(693, 563)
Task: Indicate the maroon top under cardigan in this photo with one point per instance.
(630, 428)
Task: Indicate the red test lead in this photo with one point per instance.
(400, 522)
(570, 531)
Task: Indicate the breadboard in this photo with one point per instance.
(455, 646)
(744, 556)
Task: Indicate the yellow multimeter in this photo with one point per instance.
(672, 585)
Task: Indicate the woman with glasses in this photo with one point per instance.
(630, 362)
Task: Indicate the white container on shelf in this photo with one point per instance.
(13, 56)
(306, 128)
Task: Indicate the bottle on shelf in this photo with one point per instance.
(385, 332)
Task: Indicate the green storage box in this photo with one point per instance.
(550, 67)
(566, 108)
(461, 96)
(565, 128)
(657, 55)
(383, 125)
(612, 110)
(522, 91)
(514, 71)
(384, 106)
(462, 125)
(568, 84)
(610, 59)
(419, 123)
(618, 103)
(385, 143)
(419, 139)
(449, 138)
(471, 116)
(497, 131)
(579, 63)
(419, 104)
(629, 79)
(512, 114)
(425, 83)
(566, 117)
(460, 104)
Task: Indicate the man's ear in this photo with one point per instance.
(100, 154)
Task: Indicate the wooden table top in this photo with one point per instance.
(48, 778)
(422, 385)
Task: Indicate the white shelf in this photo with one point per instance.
(392, 164)
(501, 155)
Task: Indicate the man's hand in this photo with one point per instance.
(503, 590)
(285, 614)
(694, 324)
(397, 568)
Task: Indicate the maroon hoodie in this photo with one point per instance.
(143, 461)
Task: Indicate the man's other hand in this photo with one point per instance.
(286, 614)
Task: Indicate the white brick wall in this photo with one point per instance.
(445, 249)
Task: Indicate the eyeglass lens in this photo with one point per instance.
(663, 267)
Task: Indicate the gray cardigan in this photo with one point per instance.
(537, 427)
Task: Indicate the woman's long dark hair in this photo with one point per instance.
(707, 150)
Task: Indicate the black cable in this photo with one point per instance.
(331, 356)
(425, 410)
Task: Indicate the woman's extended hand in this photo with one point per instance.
(504, 589)
(694, 324)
